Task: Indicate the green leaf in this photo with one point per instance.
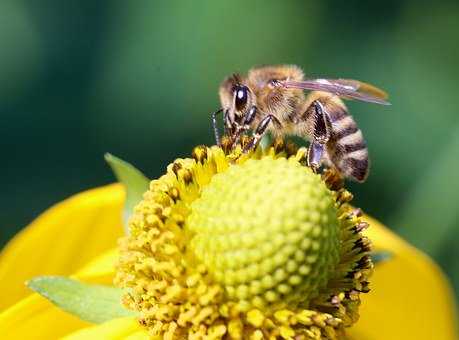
(135, 182)
(93, 303)
(380, 256)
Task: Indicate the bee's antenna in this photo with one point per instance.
(215, 126)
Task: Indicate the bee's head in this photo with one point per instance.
(236, 97)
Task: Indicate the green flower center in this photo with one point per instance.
(267, 231)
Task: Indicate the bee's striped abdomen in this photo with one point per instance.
(347, 149)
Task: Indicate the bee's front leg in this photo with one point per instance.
(260, 131)
(247, 120)
(320, 134)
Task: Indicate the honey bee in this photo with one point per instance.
(272, 98)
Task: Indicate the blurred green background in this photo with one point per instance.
(139, 79)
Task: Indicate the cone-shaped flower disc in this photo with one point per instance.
(267, 230)
(228, 245)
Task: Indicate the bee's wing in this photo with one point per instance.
(362, 87)
(348, 88)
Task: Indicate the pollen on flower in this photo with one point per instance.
(256, 246)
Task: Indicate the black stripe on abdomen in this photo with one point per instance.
(347, 148)
(355, 168)
(344, 127)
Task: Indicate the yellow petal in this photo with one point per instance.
(62, 239)
(36, 318)
(409, 299)
(101, 269)
(123, 328)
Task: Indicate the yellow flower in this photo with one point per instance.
(252, 245)
(409, 297)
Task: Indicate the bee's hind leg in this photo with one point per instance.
(320, 133)
(260, 131)
(315, 154)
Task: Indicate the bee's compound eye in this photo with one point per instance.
(241, 97)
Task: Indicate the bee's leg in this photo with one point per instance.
(248, 119)
(230, 126)
(227, 123)
(320, 134)
(260, 131)
(215, 126)
(315, 153)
